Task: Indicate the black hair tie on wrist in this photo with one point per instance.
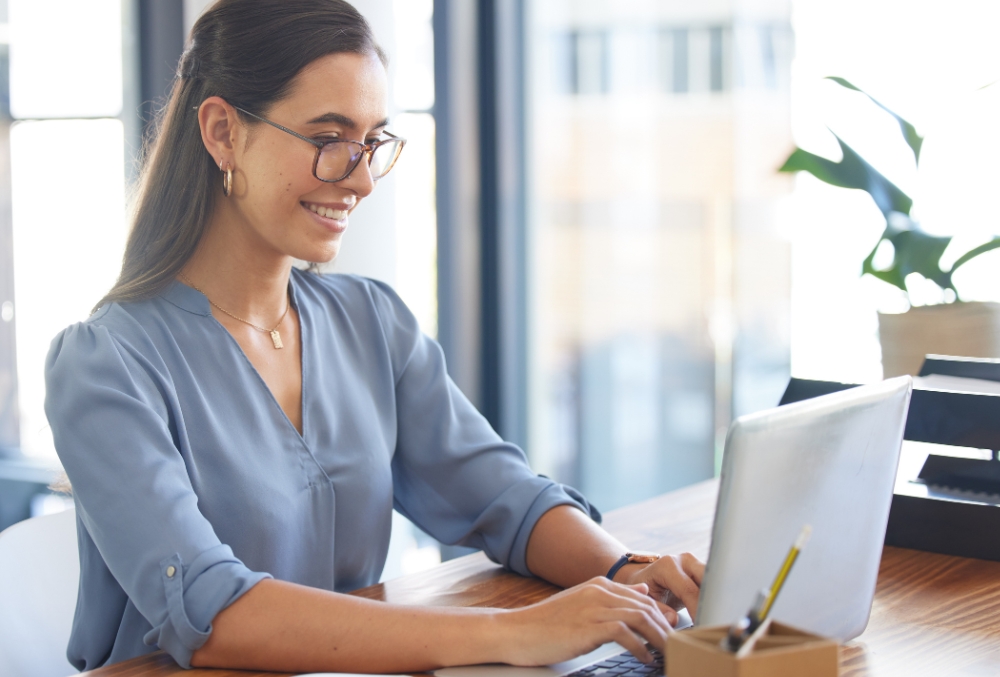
(631, 557)
(622, 561)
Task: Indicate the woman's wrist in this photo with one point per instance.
(628, 571)
(493, 630)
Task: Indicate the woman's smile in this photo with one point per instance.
(331, 215)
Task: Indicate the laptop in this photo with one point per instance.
(829, 462)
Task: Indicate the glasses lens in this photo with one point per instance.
(384, 158)
(337, 159)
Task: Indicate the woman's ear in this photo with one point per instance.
(218, 122)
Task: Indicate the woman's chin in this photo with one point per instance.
(318, 254)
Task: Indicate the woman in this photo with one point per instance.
(237, 431)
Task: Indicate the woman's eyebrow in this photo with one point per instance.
(339, 119)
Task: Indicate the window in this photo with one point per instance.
(716, 58)
(678, 50)
(658, 282)
(416, 219)
(579, 61)
(67, 182)
(10, 437)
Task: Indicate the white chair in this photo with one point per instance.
(39, 577)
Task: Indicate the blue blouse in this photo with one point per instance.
(191, 484)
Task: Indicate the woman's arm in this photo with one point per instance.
(288, 627)
(567, 547)
(282, 626)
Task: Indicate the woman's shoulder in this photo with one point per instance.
(347, 286)
(368, 309)
(107, 326)
(118, 329)
(354, 293)
(107, 350)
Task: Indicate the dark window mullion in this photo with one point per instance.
(488, 215)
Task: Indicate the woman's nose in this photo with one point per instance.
(360, 179)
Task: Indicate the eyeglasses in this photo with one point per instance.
(337, 158)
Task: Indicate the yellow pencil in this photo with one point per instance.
(779, 580)
(745, 626)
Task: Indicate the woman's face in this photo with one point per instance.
(275, 194)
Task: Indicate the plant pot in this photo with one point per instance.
(969, 329)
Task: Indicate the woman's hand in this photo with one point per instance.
(673, 580)
(580, 619)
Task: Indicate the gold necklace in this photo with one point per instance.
(275, 336)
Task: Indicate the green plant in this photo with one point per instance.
(914, 251)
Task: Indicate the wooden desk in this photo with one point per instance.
(933, 614)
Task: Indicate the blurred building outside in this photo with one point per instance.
(659, 284)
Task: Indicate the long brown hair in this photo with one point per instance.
(247, 52)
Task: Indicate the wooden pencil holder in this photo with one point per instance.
(783, 651)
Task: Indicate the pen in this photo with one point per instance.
(745, 626)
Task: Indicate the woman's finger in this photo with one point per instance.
(611, 595)
(652, 627)
(670, 575)
(634, 590)
(634, 595)
(641, 610)
(693, 567)
(609, 591)
(619, 632)
(668, 612)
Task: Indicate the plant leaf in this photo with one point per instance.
(913, 140)
(851, 172)
(915, 252)
(973, 253)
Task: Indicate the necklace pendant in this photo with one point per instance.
(276, 339)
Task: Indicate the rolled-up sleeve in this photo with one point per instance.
(452, 474)
(109, 410)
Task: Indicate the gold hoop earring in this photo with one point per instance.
(227, 179)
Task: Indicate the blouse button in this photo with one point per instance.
(171, 570)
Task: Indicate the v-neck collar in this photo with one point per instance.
(195, 302)
(186, 298)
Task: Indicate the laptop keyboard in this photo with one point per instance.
(623, 665)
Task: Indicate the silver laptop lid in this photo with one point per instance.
(829, 462)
